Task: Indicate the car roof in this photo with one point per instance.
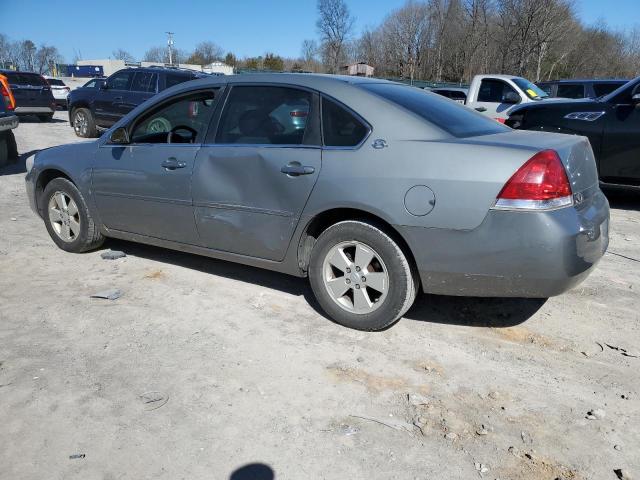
(587, 80)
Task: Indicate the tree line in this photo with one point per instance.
(453, 40)
(435, 40)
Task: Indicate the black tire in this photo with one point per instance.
(4, 150)
(45, 118)
(402, 285)
(89, 236)
(83, 130)
(12, 146)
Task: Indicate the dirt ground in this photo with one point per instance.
(210, 370)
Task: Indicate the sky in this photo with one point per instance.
(245, 27)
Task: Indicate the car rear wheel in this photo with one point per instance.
(83, 123)
(45, 118)
(361, 277)
(67, 218)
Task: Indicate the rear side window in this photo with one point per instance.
(119, 81)
(570, 90)
(172, 79)
(602, 89)
(144, 82)
(19, 78)
(494, 91)
(453, 118)
(340, 127)
(545, 87)
(56, 82)
(261, 115)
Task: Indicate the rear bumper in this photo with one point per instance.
(513, 254)
(33, 110)
(8, 122)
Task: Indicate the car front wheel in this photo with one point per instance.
(67, 218)
(360, 276)
(83, 123)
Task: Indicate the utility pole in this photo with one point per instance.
(170, 45)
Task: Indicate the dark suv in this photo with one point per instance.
(580, 88)
(90, 108)
(32, 94)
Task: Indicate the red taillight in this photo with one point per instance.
(541, 183)
(298, 113)
(6, 94)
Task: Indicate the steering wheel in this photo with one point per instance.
(175, 129)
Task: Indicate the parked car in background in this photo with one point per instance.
(494, 95)
(384, 190)
(612, 124)
(32, 94)
(94, 83)
(457, 94)
(580, 88)
(90, 108)
(60, 91)
(8, 121)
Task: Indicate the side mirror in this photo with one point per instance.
(119, 136)
(103, 86)
(511, 97)
(635, 98)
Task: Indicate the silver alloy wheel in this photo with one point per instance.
(355, 277)
(80, 123)
(64, 216)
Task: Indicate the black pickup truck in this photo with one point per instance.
(612, 124)
(90, 108)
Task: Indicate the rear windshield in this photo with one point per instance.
(176, 78)
(19, 78)
(451, 117)
(56, 82)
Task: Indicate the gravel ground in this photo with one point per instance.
(209, 370)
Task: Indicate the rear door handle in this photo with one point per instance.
(481, 109)
(294, 169)
(172, 164)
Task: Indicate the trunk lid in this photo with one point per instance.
(574, 151)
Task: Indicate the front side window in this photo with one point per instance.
(570, 90)
(184, 120)
(266, 115)
(340, 127)
(494, 91)
(144, 82)
(119, 81)
(449, 116)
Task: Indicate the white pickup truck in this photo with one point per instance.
(494, 95)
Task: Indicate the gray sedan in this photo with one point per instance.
(376, 191)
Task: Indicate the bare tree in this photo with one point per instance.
(406, 34)
(206, 53)
(156, 54)
(46, 58)
(335, 25)
(121, 54)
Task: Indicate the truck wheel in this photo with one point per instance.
(67, 217)
(45, 118)
(12, 147)
(361, 277)
(83, 123)
(4, 150)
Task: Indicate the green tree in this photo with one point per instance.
(273, 62)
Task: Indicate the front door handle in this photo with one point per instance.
(172, 163)
(117, 99)
(481, 109)
(295, 169)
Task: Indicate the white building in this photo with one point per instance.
(359, 69)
